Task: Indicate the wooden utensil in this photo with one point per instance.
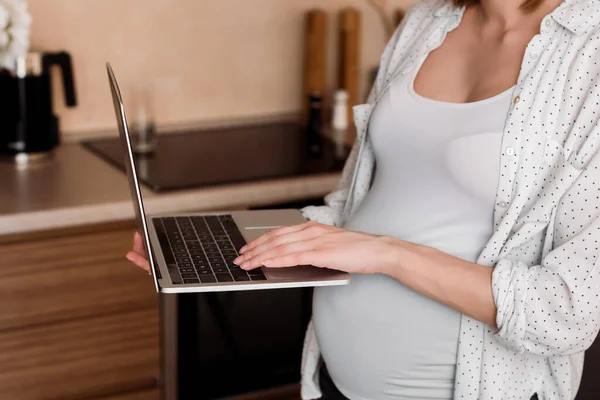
(314, 56)
(349, 73)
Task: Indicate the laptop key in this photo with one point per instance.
(220, 270)
(235, 269)
(201, 263)
(206, 271)
(240, 277)
(224, 278)
(256, 271)
(186, 270)
(226, 219)
(175, 277)
(208, 279)
(189, 276)
(261, 277)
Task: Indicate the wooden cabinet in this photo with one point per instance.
(77, 321)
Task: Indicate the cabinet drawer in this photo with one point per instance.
(152, 394)
(93, 357)
(61, 279)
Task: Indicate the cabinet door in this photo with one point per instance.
(76, 319)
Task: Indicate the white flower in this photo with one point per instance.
(3, 18)
(15, 23)
(4, 38)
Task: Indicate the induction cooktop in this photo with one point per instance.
(199, 158)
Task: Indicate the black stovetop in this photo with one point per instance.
(226, 155)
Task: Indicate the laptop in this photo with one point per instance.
(194, 253)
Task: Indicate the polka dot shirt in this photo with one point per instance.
(546, 244)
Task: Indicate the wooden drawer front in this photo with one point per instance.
(61, 279)
(152, 394)
(95, 357)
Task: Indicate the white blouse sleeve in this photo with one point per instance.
(553, 308)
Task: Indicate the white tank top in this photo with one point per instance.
(438, 167)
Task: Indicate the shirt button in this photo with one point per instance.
(503, 204)
(533, 55)
(548, 23)
(510, 151)
(517, 99)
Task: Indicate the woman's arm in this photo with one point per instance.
(553, 308)
(458, 284)
(549, 309)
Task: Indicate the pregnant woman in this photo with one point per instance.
(468, 213)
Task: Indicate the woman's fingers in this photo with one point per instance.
(305, 233)
(310, 257)
(283, 249)
(138, 244)
(274, 233)
(139, 260)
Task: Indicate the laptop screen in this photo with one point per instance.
(134, 186)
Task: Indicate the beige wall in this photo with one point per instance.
(206, 59)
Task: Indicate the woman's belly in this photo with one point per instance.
(382, 340)
(379, 338)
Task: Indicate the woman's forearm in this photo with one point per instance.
(458, 284)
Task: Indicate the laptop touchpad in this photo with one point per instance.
(303, 272)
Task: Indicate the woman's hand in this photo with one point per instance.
(321, 246)
(138, 254)
(458, 284)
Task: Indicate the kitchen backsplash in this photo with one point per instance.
(206, 60)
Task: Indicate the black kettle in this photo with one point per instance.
(27, 121)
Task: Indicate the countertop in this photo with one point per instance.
(75, 187)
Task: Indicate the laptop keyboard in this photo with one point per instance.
(202, 249)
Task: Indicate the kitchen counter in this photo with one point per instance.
(74, 188)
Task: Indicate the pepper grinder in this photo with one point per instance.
(339, 123)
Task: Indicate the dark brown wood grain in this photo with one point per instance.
(77, 321)
(349, 56)
(82, 358)
(315, 56)
(152, 394)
